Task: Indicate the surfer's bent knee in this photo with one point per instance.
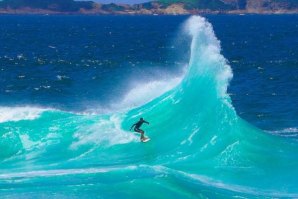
(139, 131)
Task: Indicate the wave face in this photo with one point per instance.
(200, 148)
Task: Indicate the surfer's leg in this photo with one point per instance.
(142, 133)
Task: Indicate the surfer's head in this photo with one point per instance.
(141, 119)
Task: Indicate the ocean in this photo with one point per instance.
(220, 93)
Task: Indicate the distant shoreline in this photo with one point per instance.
(39, 7)
(22, 12)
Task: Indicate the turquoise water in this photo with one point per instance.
(199, 148)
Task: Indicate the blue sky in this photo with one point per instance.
(121, 1)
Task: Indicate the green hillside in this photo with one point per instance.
(152, 7)
(54, 5)
(200, 4)
(230, 5)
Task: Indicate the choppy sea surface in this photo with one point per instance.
(220, 93)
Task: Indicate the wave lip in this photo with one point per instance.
(14, 114)
(206, 59)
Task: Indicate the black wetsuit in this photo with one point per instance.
(138, 125)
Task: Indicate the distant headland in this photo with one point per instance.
(158, 7)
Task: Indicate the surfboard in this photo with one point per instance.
(146, 140)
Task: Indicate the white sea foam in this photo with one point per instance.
(61, 172)
(287, 132)
(206, 54)
(106, 132)
(145, 92)
(19, 113)
(190, 138)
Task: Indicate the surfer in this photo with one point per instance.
(137, 128)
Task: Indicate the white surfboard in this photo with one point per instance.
(146, 140)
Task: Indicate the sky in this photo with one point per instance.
(120, 1)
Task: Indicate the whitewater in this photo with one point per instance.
(199, 148)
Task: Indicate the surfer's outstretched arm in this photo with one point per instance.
(146, 122)
(132, 126)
